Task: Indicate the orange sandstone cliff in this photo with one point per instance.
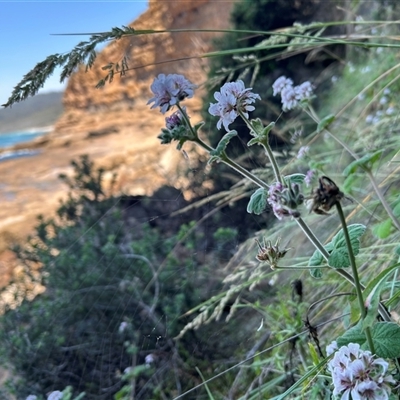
(113, 124)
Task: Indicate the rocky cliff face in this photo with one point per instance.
(113, 125)
(116, 115)
(147, 56)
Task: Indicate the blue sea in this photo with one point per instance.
(10, 139)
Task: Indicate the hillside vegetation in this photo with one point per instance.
(280, 280)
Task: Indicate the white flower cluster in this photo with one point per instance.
(385, 108)
(359, 374)
(169, 90)
(291, 95)
(56, 395)
(232, 100)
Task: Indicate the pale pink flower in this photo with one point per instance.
(304, 91)
(302, 151)
(233, 99)
(280, 84)
(123, 327)
(289, 98)
(56, 395)
(150, 359)
(175, 119)
(169, 90)
(291, 95)
(308, 179)
(360, 374)
(331, 348)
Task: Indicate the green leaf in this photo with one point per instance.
(258, 201)
(390, 301)
(253, 141)
(257, 125)
(355, 312)
(209, 393)
(313, 353)
(339, 257)
(386, 338)
(352, 335)
(325, 122)
(217, 153)
(259, 132)
(365, 163)
(385, 335)
(316, 273)
(198, 126)
(294, 178)
(349, 183)
(317, 258)
(396, 210)
(382, 230)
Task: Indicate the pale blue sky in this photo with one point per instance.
(26, 28)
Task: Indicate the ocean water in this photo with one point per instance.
(10, 139)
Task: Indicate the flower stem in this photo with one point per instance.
(224, 158)
(272, 159)
(187, 121)
(357, 284)
(267, 148)
(234, 165)
(318, 245)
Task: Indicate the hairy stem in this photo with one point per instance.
(267, 148)
(234, 165)
(319, 246)
(357, 284)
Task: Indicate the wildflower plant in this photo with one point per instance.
(362, 362)
(360, 368)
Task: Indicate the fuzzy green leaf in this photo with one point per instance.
(294, 178)
(257, 125)
(258, 201)
(316, 273)
(198, 126)
(325, 122)
(259, 132)
(352, 335)
(317, 258)
(382, 230)
(385, 335)
(217, 153)
(339, 257)
(386, 338)
(396, 210)
(349, 184)
(365, 162)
